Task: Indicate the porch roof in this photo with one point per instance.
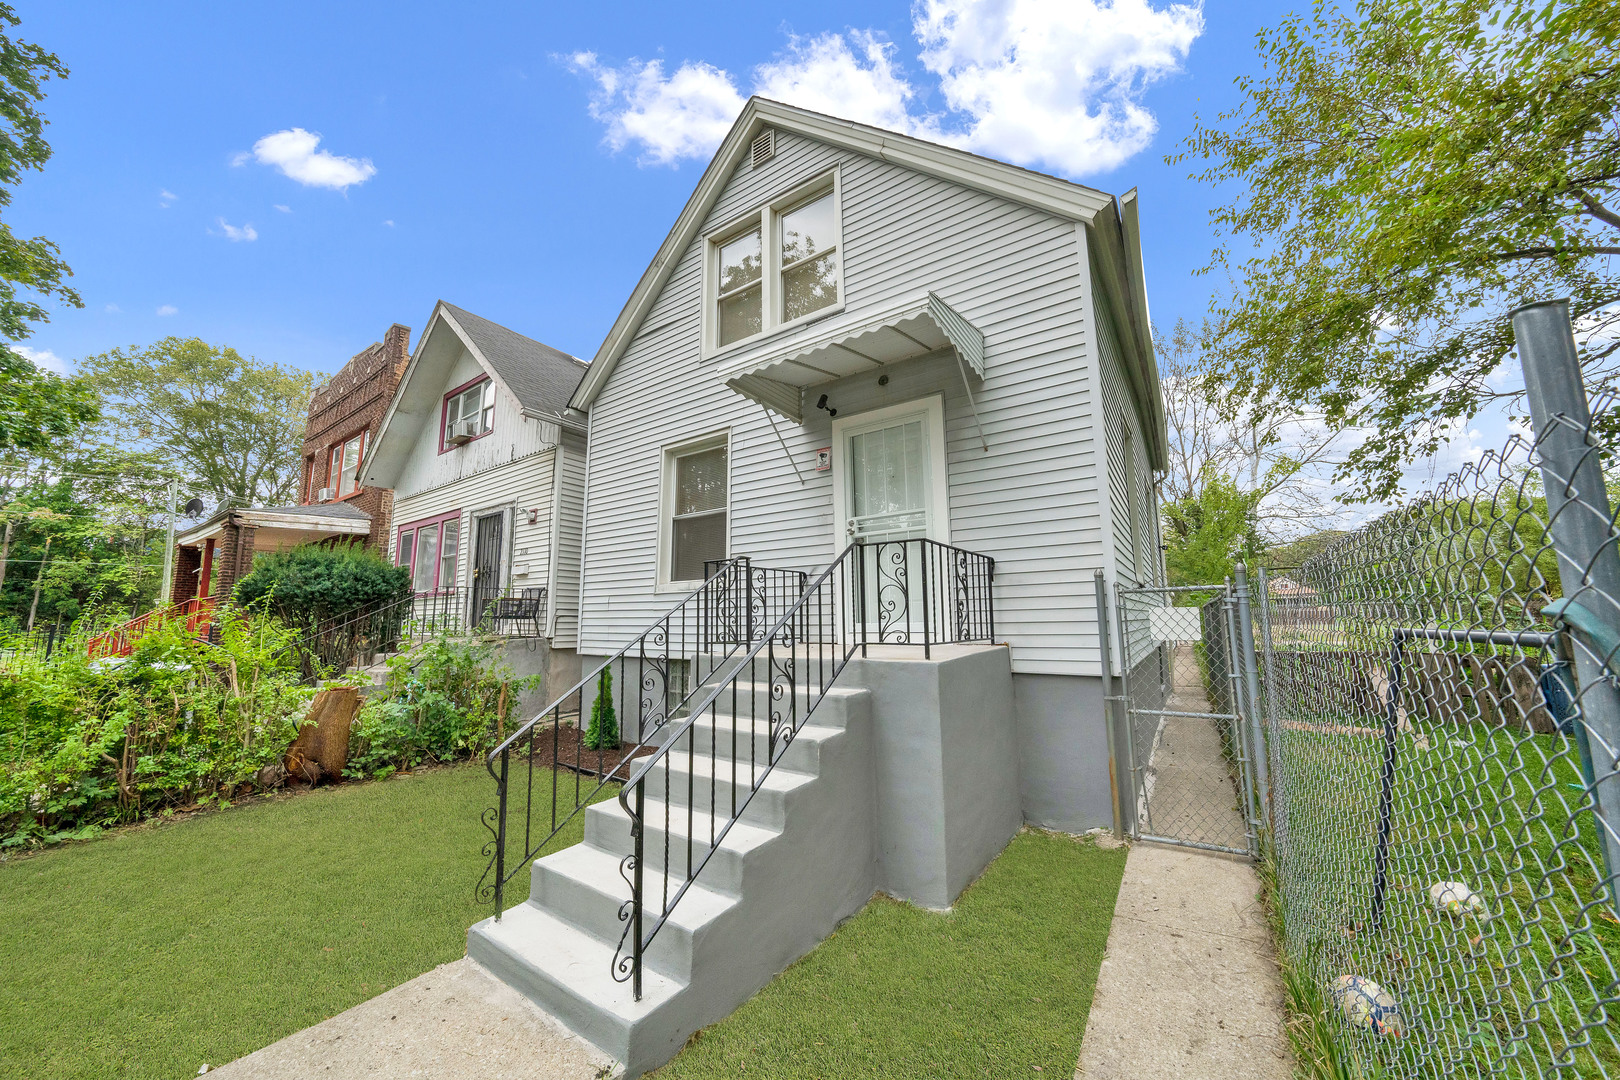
(317, 520)
(917, 327)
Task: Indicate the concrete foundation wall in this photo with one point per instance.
(529, 656)
(1063, 752)
(945, 766)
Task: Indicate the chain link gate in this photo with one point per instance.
(1181, 728)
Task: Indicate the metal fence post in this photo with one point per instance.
(1582, 526)
(1237, 707)
(1268, 674)
(1251, 686)
(1120, 781)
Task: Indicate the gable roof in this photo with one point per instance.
(1112, 226)
(539, 378)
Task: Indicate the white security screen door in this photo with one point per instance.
(890, 490)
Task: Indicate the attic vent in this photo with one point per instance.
(764, 147)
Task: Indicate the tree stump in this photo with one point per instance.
(323, 737)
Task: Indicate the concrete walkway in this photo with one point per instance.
(1189, 986)
(457, 1022)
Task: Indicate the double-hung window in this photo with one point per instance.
(344, 468)
(469, 413)
(429, 549)
(776, 266)
(695, 497)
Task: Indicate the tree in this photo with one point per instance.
(87, 540)
(1279, 457)
(230, 426)
(603, 731)
(1406, 173)
(1206, 534)
(36, 407)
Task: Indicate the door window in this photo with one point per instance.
(889, 482)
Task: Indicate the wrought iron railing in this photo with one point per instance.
(905, 592)
(644, 685)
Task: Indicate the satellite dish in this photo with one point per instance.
(193, 508)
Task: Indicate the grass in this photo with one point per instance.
(1498, 810)
(157, 948)
(999, 987)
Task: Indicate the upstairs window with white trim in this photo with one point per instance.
(696, 496)
(343, 471)
(779, 265)
(469, 413)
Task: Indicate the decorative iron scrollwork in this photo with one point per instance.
(484, 891)
(893, 593)
(624, 964)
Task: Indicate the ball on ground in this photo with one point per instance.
(1366, 1005)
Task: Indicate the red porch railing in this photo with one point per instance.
(120, 640)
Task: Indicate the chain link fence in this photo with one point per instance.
(1439, 695)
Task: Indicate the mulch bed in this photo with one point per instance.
(561, 746)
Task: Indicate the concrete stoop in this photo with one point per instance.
(904, 780)
(798, 861)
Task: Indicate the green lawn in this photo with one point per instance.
(1000, 987)
(158, 948)
(1499, 810)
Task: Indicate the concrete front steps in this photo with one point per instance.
(798, 861)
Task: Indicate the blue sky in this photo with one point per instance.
(483, 146)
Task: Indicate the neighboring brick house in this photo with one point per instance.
(343, 417)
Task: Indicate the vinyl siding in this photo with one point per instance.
(514, 488)
(512, 436)
(570, 526)
(1033, 501)
(511, 470)
(1136, 557)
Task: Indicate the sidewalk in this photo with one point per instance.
(457, 1022)
(1189, 986)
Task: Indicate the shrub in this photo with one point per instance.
(310, 583)
(603, 732)
(180, 721)
(444, 701)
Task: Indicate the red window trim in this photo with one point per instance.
(411, 527)
(444, 414)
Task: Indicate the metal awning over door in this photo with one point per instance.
(916, 328)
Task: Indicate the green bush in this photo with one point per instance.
(444, 701)
(180, 721)
(603, 732)
(310, 583)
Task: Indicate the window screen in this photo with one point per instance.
(698, 528)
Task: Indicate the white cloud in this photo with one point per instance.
(233, 233)
(389, 222)
(168, 309)
(852, 77)
(685, 115)
(43, 359)
(166, 197)
(113, 309)
(295, 153)
(284, 209)
(1053, 83)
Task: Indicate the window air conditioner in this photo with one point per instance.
(463, 431)
(324, 495)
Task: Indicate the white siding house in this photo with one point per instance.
(986, 324)
(486, 461)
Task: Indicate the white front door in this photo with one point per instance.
(889, 481)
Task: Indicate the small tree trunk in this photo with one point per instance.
(39, 579)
